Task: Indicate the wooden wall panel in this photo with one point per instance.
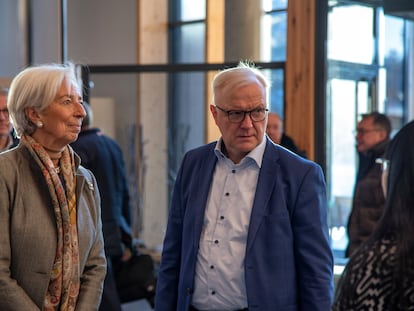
(214, 54)
(300, 72)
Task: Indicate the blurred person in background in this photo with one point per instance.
(275, 131)
(103, 156)
(8, 138)
(372, 137)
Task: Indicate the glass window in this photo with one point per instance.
(187, 10)
(365, 73)
(276, 101)
(186, 107)
(274, 36)
(269, 5)
(391, 57)
(351, 41)
(273, 48)
(188, 43)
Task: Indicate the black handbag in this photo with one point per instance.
(135, 278)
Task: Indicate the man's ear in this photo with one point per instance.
(383, 134)
(213, 111)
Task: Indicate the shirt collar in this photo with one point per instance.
(256, 154)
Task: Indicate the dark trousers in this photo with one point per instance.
(110, 298)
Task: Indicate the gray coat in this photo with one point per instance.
(28, 235)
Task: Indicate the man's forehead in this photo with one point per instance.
(3, 100)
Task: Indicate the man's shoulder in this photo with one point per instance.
(202, 150)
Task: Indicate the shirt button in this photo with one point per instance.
(212, 267)
(213, 292)
(227, 194)
(221, 217)
(216, 241)
(233, 171)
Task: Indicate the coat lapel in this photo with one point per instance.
(265, 187)
(200, 197)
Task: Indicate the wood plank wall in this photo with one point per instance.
(300, 73)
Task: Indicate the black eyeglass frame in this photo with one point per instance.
(238, 113)
(5, 111)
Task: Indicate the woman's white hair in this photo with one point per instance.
(36, 87)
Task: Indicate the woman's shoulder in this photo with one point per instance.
(368, 276)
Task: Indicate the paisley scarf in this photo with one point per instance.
(63, 290)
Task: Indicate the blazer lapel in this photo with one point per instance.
(265, 186)
(200, 197)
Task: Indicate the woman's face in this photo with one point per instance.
(62, 120)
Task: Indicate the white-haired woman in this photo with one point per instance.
(51, 244)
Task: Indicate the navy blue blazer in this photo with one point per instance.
(288, 261)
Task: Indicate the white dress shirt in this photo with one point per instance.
(219, 276)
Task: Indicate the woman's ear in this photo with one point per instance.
(32, 114)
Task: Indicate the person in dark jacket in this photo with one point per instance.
(274, 129)
(103, 156)
(372, 137)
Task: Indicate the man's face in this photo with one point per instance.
(242, 137)
(5, 125)
(274, 128)
(368, 134)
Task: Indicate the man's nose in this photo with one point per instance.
(247, 121)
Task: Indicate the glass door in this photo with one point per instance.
(348, 99)
(366, 61)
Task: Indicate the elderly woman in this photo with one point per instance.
(51, 244)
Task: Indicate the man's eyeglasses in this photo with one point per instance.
(237, 116)
(5, 112)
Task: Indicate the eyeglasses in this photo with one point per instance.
(362, 131)
(385, 163)
(5, 111)
(237, 116)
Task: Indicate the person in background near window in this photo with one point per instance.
(372, 137)
(8, 138)
(51, 244)
(380, 274)
(247, 226)
(274, 130)
(103, 156)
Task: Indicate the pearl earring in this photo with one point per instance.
(39, 124)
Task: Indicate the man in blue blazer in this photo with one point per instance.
(247, 227)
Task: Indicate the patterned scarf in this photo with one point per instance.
(64, 281)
